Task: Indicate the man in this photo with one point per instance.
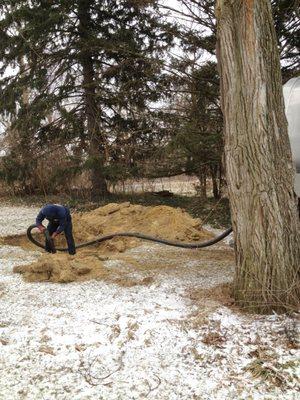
(60, 220)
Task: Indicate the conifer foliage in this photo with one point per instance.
(78, 73)
(119, 89)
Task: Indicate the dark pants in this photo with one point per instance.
(52, 227)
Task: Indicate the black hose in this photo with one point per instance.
(138, 236)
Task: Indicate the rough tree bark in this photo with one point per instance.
(258, 158)
(96, 141)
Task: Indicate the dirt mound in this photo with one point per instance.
(63, 268)
(160, 221)
(86, 265)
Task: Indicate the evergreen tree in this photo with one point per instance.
(90, 68)
(196, 123)
(199, 29)
(197, 115)
(287, 27)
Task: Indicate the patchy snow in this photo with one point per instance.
(93, 340)
(15, 220)
(229, 240)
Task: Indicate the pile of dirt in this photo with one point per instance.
(160, 221)
(86, 265)
(63, 268)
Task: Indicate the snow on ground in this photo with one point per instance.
(15, 220)
(94, 340)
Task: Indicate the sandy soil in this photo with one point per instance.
(163, 327)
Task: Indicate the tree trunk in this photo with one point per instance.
(202, 176)
(258, 158)
(96, 142)
(216, 184)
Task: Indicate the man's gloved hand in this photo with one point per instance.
(41, 228)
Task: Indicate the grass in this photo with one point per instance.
(265, 371)
(213, 212)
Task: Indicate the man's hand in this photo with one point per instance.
(41, 228)
(53, 236)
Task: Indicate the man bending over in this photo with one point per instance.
(60, 220)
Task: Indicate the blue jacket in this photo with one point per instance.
(54, 213)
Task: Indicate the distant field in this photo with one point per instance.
(180, 184)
